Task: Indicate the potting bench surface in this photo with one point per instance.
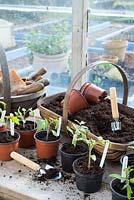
(16, 183)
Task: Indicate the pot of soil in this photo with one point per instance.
(26, 131)
(69, 153)
(8, 144)
(88, 180)
(117, 192)
(46, 148)
(93, 93)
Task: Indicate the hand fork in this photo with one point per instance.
(116, 124)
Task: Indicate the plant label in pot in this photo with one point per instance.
(123, 185)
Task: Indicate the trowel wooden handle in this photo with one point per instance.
(114, 105)
(34, 75)
(32, 88)
(25, 161)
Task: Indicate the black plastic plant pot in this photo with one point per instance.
(67, 159)
(86, 182)
(115, 194)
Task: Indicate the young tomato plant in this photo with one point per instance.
(49, 125)
(91, 144)
(78, 132)
(128, 181)
(22, 113)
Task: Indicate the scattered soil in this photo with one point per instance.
(5, 137)
(118, 188)
(42, 136)
(50, 174)
(98, 119)
(81, 166)
(70, 149)
(28, 126)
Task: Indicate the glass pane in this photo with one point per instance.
(38, 34)
(111, 38)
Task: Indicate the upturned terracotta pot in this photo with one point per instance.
(27, 136)
(77, 102)
(46, 149)
(7, 147)
(93, 93)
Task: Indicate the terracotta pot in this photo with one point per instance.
(46, 149)
(109, 58)
(116, 48)
(3, 128)
(7, 148)
(77, 102)
(93, 93)
(26, 136)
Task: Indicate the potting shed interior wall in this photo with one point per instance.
(90, 26)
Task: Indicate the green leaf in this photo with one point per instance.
(41, 124)
(117, 176)
(129, 192)
(131, 180)
(93, 157)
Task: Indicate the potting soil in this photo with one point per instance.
(98, 119)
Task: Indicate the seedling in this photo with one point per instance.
(78, 132)
(50, 125)
(22, 114)
(127, 180)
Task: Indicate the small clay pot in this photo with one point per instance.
(93, 93)
(77, 102)
(7, 147)
(26, 136)
(3, 128)
(46, 149)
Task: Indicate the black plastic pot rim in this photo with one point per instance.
(34, 129)
(81, 174)
(75, 154)
(48, 142)
(117, 192)
(128, 154)
(12, 141)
